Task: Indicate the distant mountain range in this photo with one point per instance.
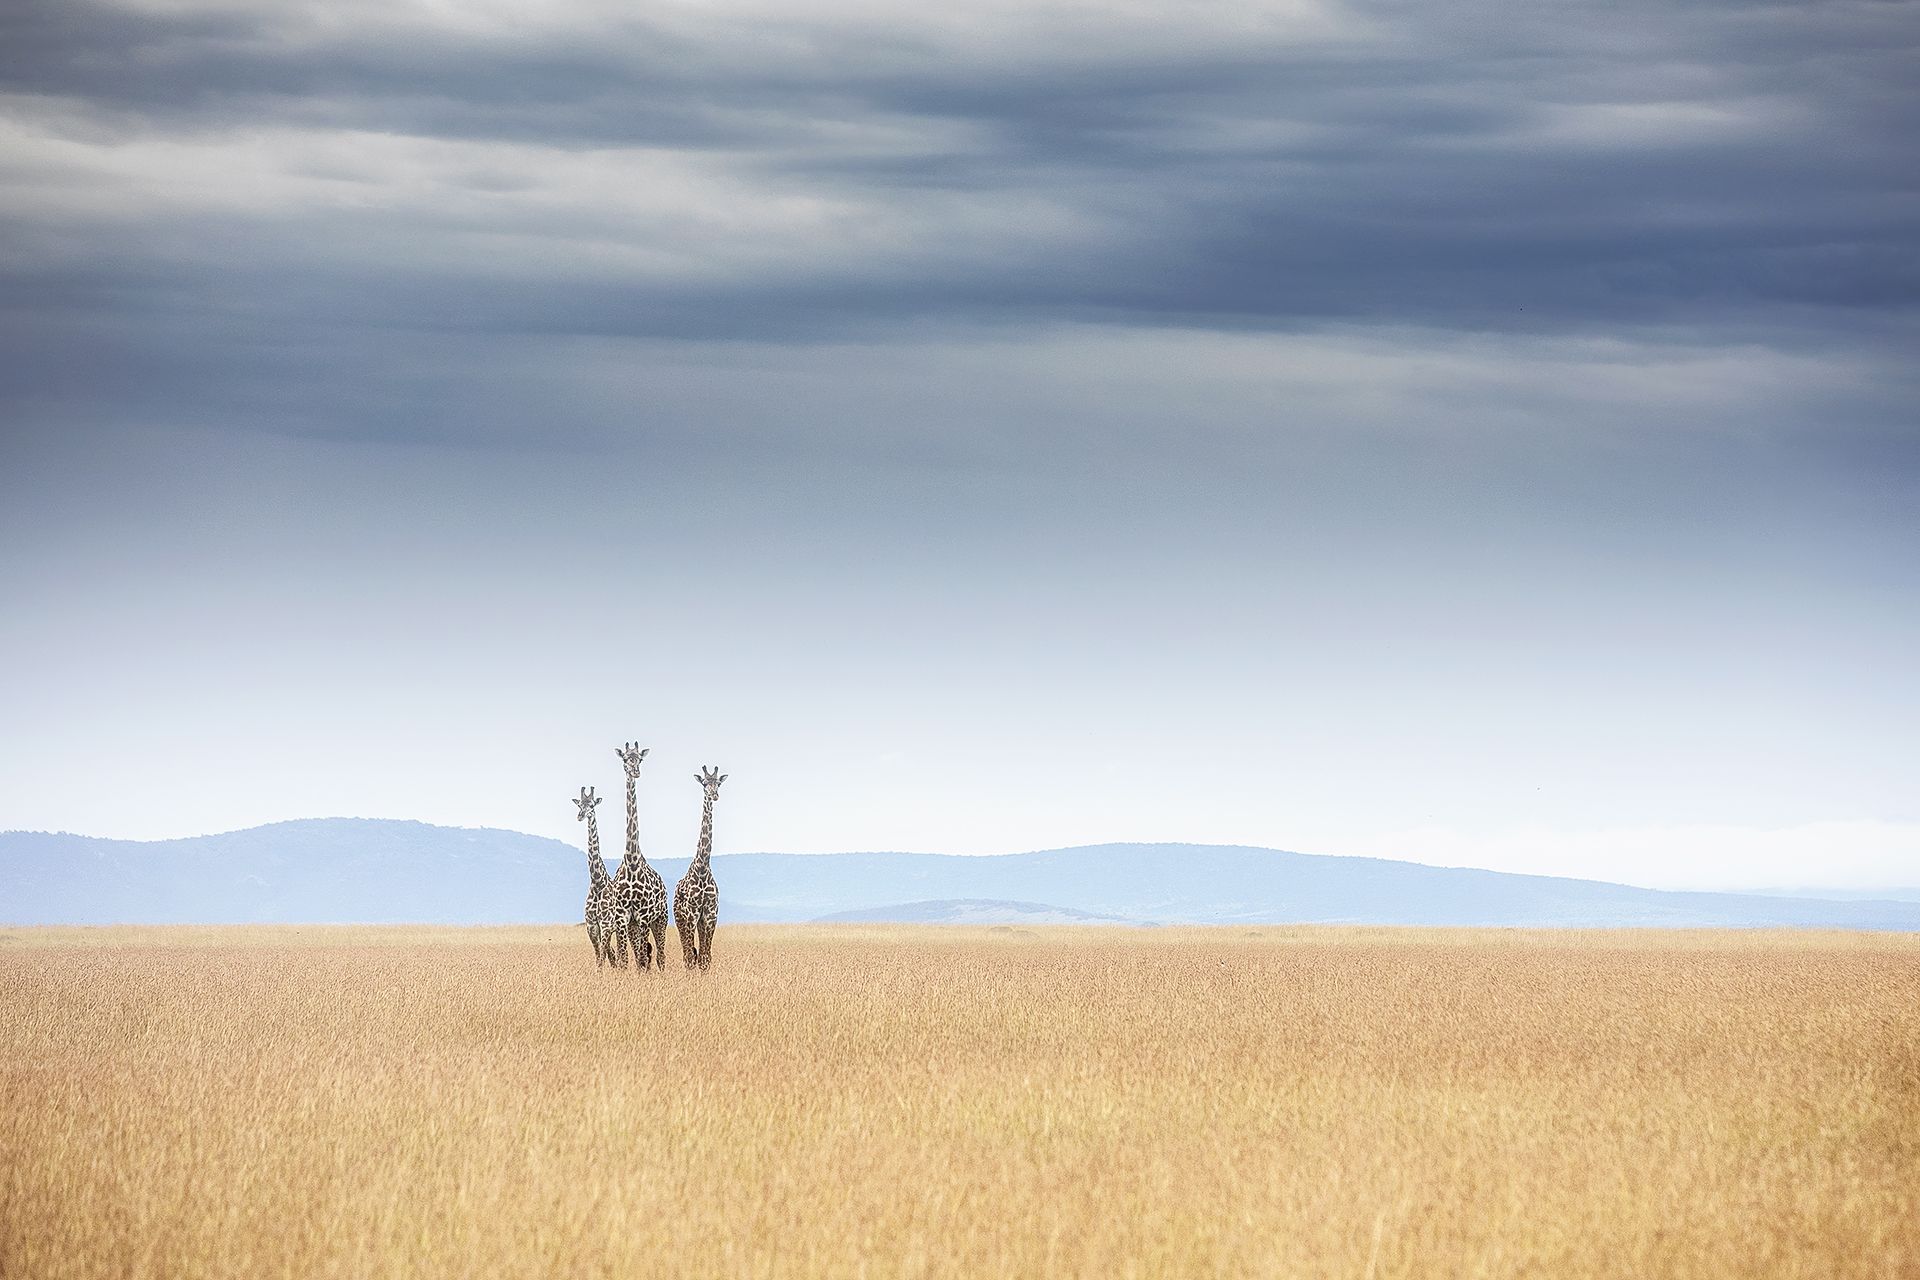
(352, 870)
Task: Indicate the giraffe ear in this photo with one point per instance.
(723, 778)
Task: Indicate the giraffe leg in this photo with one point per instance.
(660, 942)
(599, 948)
(706, 944)
(642, 945)
(689, 949)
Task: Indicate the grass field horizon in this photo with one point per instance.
(886, 1099)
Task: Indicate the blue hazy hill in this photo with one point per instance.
(351, 870)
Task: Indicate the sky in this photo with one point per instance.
(1482, 434)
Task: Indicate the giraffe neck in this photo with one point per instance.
(633, 857)
(703, 853)
(596, 865)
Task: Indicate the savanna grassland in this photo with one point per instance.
(894, 1101)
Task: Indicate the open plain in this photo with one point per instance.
(894, 1101)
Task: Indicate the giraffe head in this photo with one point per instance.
(586, 802)
(631, 754)
(710, 780)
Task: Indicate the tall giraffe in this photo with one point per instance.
(600, 920)
(639, 895)
(696, 899)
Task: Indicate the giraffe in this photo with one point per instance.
(696, 899)
(600, 920)
(640, 896)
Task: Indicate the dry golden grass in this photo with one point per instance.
(887, 1101)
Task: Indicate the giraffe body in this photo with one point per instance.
(600, 919)
(696, 899)
(640, 895)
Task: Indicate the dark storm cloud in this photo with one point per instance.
(1655, 157)
(218, 209)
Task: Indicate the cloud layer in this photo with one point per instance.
(747, 171)
(329, 217)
